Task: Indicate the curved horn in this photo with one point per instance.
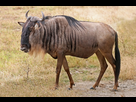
(43, 17)
(27, 14)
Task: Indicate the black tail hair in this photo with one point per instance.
(117, 58)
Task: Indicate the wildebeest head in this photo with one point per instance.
(30, 32)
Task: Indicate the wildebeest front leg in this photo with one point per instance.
(66, 67)
(58, 68)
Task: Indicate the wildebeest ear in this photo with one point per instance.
(21, 23)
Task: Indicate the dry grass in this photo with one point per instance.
(23, 75)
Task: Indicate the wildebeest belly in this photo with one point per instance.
(82, 52)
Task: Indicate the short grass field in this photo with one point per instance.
(24, 75)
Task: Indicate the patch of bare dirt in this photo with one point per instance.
(125, 89)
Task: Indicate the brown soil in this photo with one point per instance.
(125, 89)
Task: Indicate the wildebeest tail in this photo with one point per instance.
(117, 58)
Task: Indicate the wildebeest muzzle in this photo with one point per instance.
(25, 46)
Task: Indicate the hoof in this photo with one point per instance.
(72, 85)
(114, 90)
(92, 88)
(69, 88)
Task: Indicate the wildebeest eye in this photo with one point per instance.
(31, 29)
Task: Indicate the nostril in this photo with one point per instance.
(23, 45)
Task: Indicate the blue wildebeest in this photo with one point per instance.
(63, 35)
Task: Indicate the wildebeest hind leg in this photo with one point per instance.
(66, 67)
(111, 60)
(103, 68)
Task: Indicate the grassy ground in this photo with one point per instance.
(24, 75)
